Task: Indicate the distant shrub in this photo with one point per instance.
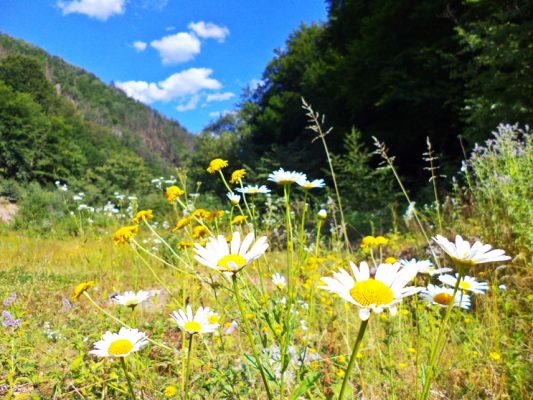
(500, 180)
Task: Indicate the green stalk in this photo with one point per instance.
(317, 243)
(362, 329)
(302, 226)
(187, 369)
(290, 286)
(128, 379)
(436, 350)
(250, 336)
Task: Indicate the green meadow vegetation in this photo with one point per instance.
(379, 249)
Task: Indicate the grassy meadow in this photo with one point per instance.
(286, 336)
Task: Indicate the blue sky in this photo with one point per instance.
(189, 59)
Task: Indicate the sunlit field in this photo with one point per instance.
(271, 296)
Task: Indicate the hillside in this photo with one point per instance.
(106, 111)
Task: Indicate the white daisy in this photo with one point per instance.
(384, 290)
(322, 214)
(442, 296)
(279, 281)
(233, 198)
(464, 255)
(217, 254)
(131, 299)
(283, 177)
(424, 267)
(314, 184)
(467, 283)
(253, 189)
(120, 344)
(197, 323)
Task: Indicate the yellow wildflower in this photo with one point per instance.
(199, 231)
(368, 241)
(143, 215)
(239, 219)
(184, 244)
(125, 234)
(200, 213)
(82, 287)
(173, 192)
(390, 260)
(381, 241)
(341, 359)
(215, 214)
(340, 373)
(182, 223)
(495, 356)
(216, 165)
(237, 175)
(170, 391)
(402, 365)
(358, 355)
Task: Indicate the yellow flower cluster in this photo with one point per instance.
(82, 287)
(371, 241)
(238, 220)
(125, 234)
(216, 165)
(237, 175)
(172, 193)
(199, 231)
(143, 215)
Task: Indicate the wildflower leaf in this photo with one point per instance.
(304, 386)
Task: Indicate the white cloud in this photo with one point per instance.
(219, 96)
(177, 48)
(217, 114)
(99, 9)
(170, 28)
(139, 46)
(255, 83)
(209, 30)
(189, 105)
(184, 83)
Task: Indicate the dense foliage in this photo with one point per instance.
(58, 122)
(397, 70)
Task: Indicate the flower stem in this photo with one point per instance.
(250, 337)
(362, 329)
(128, 379)
(187, 369)
(436, 350)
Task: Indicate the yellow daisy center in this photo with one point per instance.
(464, 285)
(463, 263)
(370, 292)
(213, 319)
(443, 298)
(120, 347)
(228, 262)
(192, 326)
(131, 302)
